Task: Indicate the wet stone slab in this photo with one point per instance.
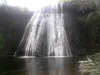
(88, 67)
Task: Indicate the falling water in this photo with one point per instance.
(45, 34)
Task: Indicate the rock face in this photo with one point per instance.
(12, 24)
(93, 20)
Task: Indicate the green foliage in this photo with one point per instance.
(93, 20)
(2, 41)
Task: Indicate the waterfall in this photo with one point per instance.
(45, 34)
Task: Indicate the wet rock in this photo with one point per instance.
(87, 67)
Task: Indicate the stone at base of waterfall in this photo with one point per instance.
(87, 67)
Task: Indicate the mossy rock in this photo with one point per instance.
(94, 18)
(93, 21)
(2, 41)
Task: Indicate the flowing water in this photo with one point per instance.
(45, 34)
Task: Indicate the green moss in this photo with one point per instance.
(94, 21)
(2, 41)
